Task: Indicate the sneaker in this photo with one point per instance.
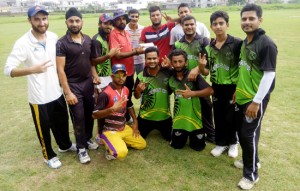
(233, 150)
(218, 150)
(108, 156)
(53, 163)
(73, 148)
(240, 164)
(246, 184)
(92, 145)
(83, 156)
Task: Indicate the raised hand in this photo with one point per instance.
(141, 87)
(119, 104)
(202, 62)
(41, 68)
(166, 17)
(166, 63)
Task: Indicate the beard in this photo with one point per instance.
(190, 34)
(179, 69)
(75, 30)
(156, 24)
(121, 26)
(39, 30)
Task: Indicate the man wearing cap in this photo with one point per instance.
(74, 68)
(101, 55)
(135, 29)
(111, 108)
(120, 37)
(36, 51)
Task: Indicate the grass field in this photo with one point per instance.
(159, 167)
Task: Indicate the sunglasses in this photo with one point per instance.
(122, 75)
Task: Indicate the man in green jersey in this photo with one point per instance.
(223, 58)
(101, 55)
(254, 86)
(194, 45)
(100, 51)
(152, 86)
(187, 122)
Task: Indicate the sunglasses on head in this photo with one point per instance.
(120, 75)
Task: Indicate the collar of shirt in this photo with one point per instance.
(185, 74)
(128, 28)
(69, 38)
(197, 37)
(147, 74)
(32, 37)
(229, 40)
(257, 34)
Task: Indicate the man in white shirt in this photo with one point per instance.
(134, 29)
(177, 32)
(36, 51)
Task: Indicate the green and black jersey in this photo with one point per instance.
(224, 62)
(256, 57)
(100, 47)
(187, 111)
(155, 102)
(192, 48)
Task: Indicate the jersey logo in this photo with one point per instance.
(177, 133)
(252, 55)
(200, 136)
(229, 56)
(115, 99)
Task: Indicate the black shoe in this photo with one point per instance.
(210, 139)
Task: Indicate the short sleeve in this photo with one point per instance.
(96, 49)
(102, 101)
(201, 83)
(60, 49)
(268, 57)
(143, 36)
(113, 40)
(171, 25)
(172, 37)
(137, 81)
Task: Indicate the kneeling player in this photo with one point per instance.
(111, 108)
(187, 121)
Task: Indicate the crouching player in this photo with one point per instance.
(111, 108)
(187, 121)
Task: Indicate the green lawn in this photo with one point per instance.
(159, 167)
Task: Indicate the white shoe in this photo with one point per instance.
(108, 156)
(246, 184)
(72, 148)
(92, 145)
(218, 150)
(233, 150)
(240, 164)
(53, 163)
(83, 156)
